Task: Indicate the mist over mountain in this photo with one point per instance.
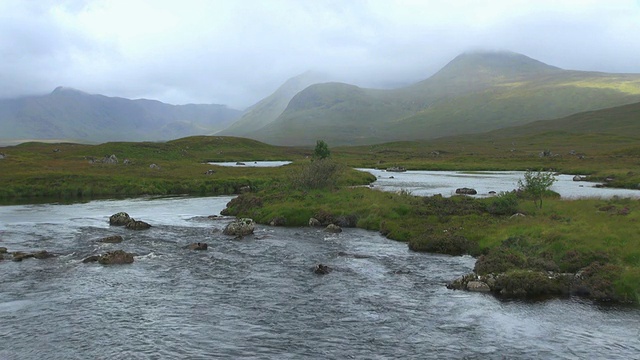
(68, 113)
(475, 92)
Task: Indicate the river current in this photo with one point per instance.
(259, 298)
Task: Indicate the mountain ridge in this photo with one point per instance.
(473, 93)
(70, 113)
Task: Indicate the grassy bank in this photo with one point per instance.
(562, 237)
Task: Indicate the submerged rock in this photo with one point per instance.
(198, 246)
(43, 254)
(333, 229)
(114, 239)
(322, 269)
(111, 258)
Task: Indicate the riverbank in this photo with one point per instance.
(508, 235)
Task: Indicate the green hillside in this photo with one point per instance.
(474, 93)
(269, 108)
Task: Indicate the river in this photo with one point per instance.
(445, 183)
(258, 297)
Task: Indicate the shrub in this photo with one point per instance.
(318, 174)
(506, 203)
(321, 151)
(445, 243)
(536, 184)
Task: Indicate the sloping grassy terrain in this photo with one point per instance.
(41, 172)
(474, 93)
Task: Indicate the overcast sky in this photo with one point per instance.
(236, 52)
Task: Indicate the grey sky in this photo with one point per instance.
(237, 52)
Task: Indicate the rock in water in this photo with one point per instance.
(240, 227)
(333, 228)
(116, 257)
(119, 219)
(137, 225)
(197, 246)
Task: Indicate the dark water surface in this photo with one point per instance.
(258, 298)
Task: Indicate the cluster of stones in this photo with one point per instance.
(20, 255)
(525, 284)
(123, 219)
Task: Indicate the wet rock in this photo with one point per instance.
(114, 239)
(19, 256)
(92, 258)
(44, 254)
(137, 225)
(3, 250)
(198, 246)
(313, 222)
(322, 269)
(115, 257)
(240, 163)
(333, 229)
(119, 219)
(478, 286)
(579, 178)
(240, 227)
(466, 191)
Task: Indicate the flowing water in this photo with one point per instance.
(445, 183)
(259, 298)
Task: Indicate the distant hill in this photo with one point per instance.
(474, 93)
(67, 113)
(269, 108)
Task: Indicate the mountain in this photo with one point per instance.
(474, 93)
(269, 108)
(67, 113)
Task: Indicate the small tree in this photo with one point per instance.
(535, 184)
(321, 151)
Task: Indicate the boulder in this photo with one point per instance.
(19, 256)
(44, 254)
(110, 159)
(119, 219)
(322, 269)
(210, 172)
(240, 227)
(3, 250)
(466, 191)
(114, 239)
(2, 156)
(333, 229)
(92, 258)
(578, 178)
(116, 257)
(240, 163)
(154, 166)
(478, 286)
(313, 222)
(197, 246)
(137, 225)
